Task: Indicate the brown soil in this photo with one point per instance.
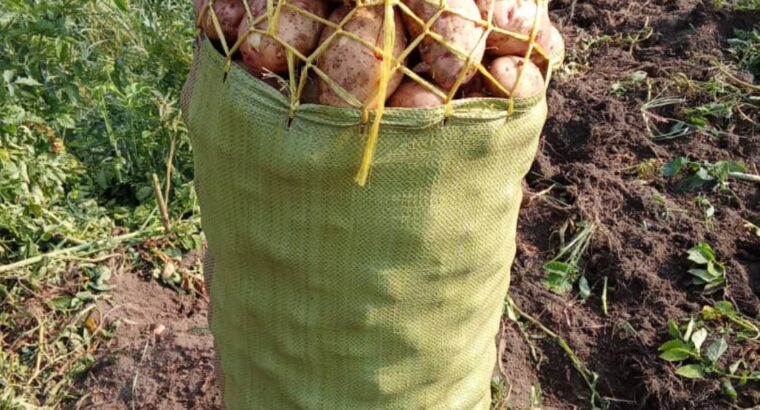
(161, 356)
(592, 143)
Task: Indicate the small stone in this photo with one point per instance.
(158, 329)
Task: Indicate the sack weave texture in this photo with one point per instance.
(326, 295)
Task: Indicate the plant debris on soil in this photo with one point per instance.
(161, 355)
(593, 147)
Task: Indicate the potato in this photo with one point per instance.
(351, 64)
(228, 12)
(553, 44)
(263, 53)
(516, 16)
(442, 64)
(505, 69)
(411, 94)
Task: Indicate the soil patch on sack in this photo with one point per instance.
(598, 163)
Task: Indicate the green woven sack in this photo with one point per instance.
(326, 295)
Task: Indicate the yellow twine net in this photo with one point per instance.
(299, 64)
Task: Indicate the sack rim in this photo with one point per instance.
(478, 110)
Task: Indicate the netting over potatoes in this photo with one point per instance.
(358, 54)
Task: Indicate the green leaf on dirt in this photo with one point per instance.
(728, 390)
(698, 338)
(62, 302)
(735, 366)
(689, 329)
(706, 270)
(85, 296)
(673, 329)
(716, 349)
(584, 289)
(674, 344)
(674, 167)
(561, 277)
(699, 175)
(702, 253)
(676, 355)
(565, 269)
(691, 371)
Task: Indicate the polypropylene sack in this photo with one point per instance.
(326, 295)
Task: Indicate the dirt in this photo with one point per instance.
(586, 169)
(161, 355)
(593, 142)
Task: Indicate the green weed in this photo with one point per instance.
(708, 211)
(579, 57)
(745, 49)
(627, 84)
(536, 397)
(724, 104)
(687, 342)
(565, 269)
(703, 175)
(706, 270)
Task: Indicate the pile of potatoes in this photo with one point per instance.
(357, 68)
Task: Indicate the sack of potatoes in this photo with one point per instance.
(389, 296)
(442, 49)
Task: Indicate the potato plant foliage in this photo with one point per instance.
(89, 106)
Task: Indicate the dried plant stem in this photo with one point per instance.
(79, 248)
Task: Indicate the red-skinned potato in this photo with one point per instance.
(516, 16)
(411, 94)
(263, 53)
(229, 13)
(439, 62)
(553, 44)
(505, 70)
(351, 64)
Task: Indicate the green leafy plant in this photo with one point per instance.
(745, 47)
(623, 86)
(706, 270)
(724, 104)
(708, 211)
(702, 175)
(565, 269)
(89, 111)
(687, 342)
(686, 348)
(536, 397)
(684, 344)
(499, 393)
(730, 319)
